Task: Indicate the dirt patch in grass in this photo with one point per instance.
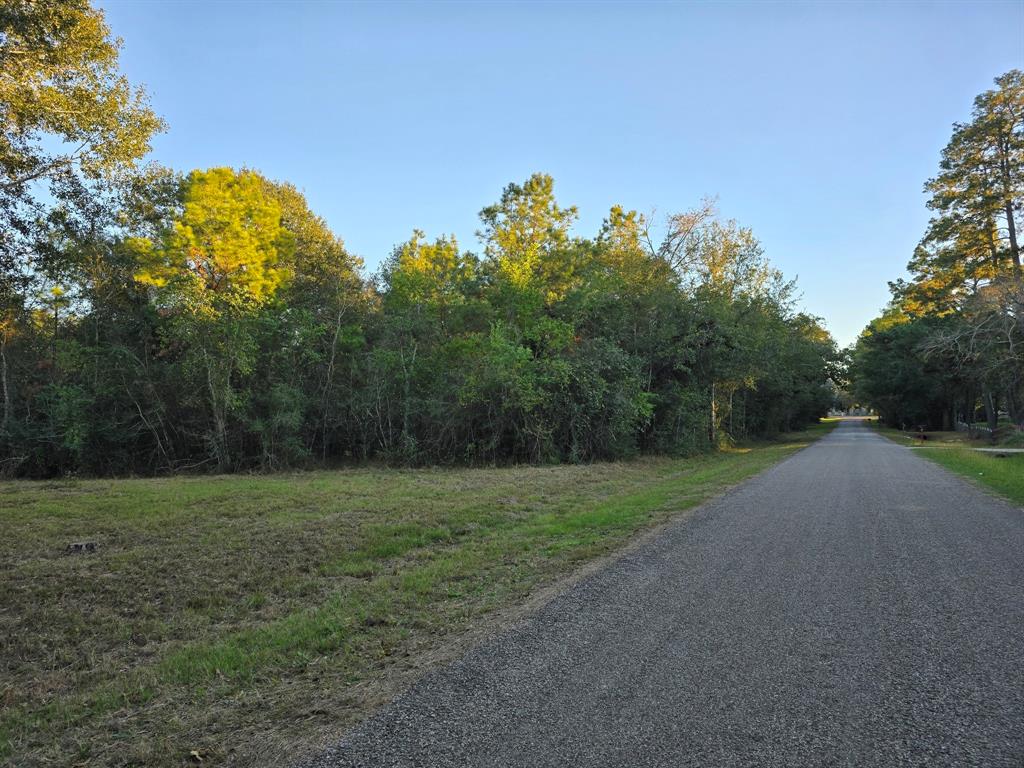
(248, 620)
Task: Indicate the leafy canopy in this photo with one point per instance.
(977, 197)
(229, 241)
(66, 114)
(524, 234)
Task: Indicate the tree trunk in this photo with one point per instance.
(1011, 227)
(714, 415)
(1012, 230)
(325, 402)
(56, 327)
(218, 405)
(7, 392)
(1013, 405)
(991, 413)
(993, 250)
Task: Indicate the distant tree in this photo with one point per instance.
(908, 387)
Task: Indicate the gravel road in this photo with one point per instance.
(855, 605)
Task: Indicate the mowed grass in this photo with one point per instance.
(244, 620)
(932, 439)
(1003, 474)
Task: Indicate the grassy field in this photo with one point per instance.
(241, 620)
(1002, 474)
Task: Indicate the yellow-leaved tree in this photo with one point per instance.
(212, 268)
(527, 238)
(228, 248)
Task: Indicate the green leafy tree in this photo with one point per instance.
(212, 269)
(228, 248)
(959, 306)
(979, 192)
(320, 318)
(68, 118)
(908, 388)
(526, 235)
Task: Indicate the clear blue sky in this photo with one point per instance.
(814, 124)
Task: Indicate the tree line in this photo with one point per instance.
(155, 321)
(949, 348)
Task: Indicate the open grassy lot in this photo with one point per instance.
(241, 620)
(1003, 474)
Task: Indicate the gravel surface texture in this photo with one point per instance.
(853, 606)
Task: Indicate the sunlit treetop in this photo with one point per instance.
(624, 249)
(59, 80)
(70, 123)
(972, 241)
(524, 230)
(420, 272)
(980, 187)
(229, 241)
